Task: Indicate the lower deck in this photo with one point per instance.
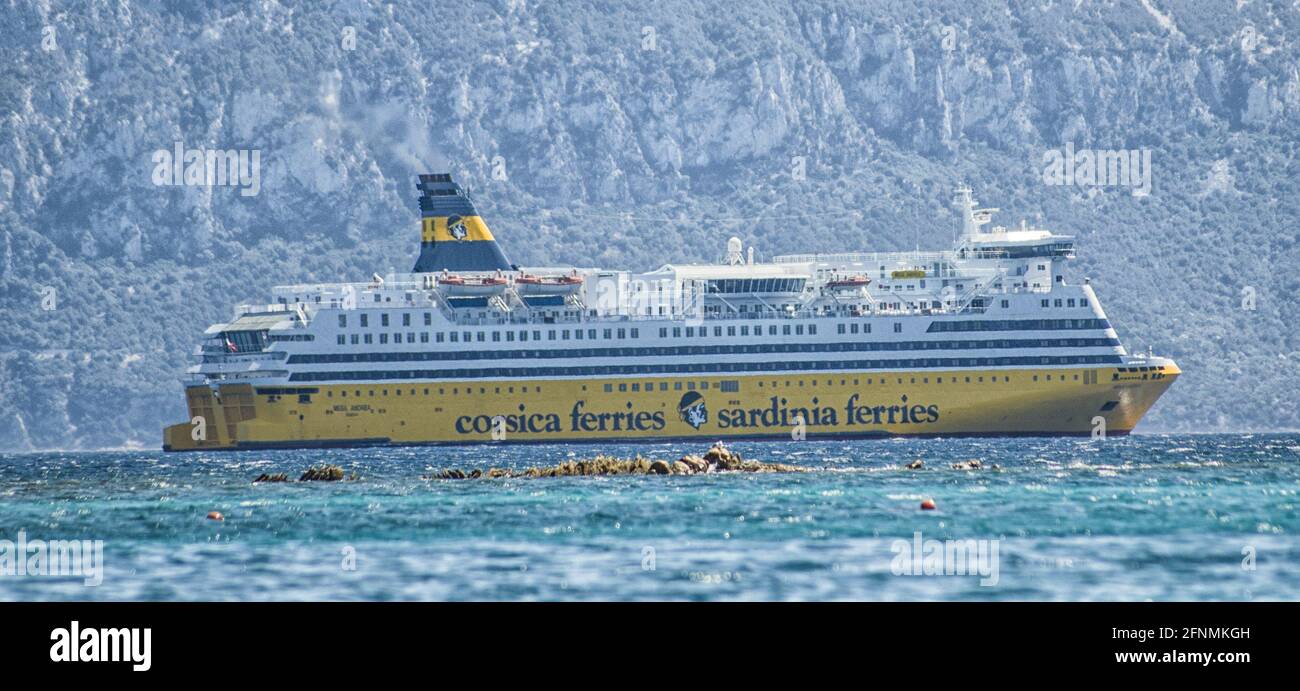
(1046, 401)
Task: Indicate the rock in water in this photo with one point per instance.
(325, 473)
(723, 458)
(277, 477)
(697, 464)
(718, 458)
(916, 465)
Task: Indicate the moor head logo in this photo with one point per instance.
(456, 227)
(693, 410)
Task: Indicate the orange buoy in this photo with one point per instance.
(215, 516)
(928, 505)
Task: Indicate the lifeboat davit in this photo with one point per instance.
(527, 284)
(453, 284)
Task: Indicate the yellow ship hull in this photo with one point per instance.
(1046, 402)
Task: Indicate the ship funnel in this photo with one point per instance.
(453, 237)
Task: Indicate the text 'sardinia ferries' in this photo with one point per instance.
(987, 339)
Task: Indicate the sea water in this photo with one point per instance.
(1183, 517)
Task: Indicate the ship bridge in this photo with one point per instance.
(754, 280)
(1002, 243)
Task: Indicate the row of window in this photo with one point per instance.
(742, 330)
(729, 386)
(1069, 302)
(721, 349)
(706, 368)
(523, 335)
(589, 334)
(703, 331)
(755, 285)
(733, 386)
(364, 319)
(485, 336)
(305, 393)
(1018, 325)
(482, 390)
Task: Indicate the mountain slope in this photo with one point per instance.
(600, 134)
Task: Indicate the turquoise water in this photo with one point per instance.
(1142, 517)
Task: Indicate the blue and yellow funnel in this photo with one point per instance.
(453, 237)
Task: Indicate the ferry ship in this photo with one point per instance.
(988, 338)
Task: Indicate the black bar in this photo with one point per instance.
(217, 642)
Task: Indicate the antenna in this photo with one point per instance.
(972, 217)
(735, 253)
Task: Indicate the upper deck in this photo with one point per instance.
(790, 305)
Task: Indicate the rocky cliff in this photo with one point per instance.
(625, 136)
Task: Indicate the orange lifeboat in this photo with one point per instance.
(528, 284)
(454, 284)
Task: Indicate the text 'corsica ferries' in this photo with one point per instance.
(986, 339)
